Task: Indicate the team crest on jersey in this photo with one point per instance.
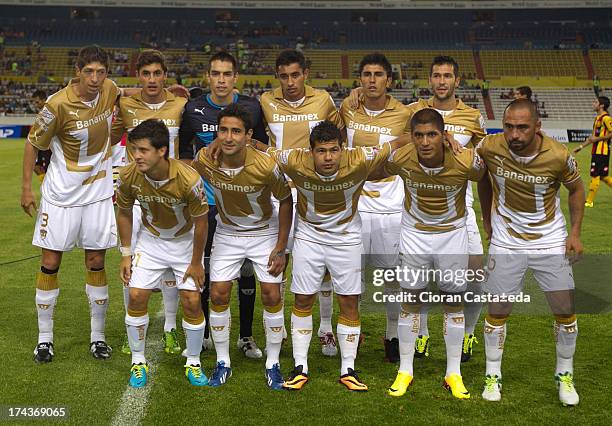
(46, 116)
(198, 190)
(478, 163)
(483, 124)
(283, 156)
(370, 152)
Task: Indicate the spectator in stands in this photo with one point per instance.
(596, 85)
(523, 92)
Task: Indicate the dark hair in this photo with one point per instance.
(223, 56)
(151, 56)
(288, 57)
(604, 101)
(325, 131)
(427, 116)
(523, 103)
(239, 112)
(40, 94)
(525, 91)
(93, 53)
(376, 59)
(155, 131)
(443, 60)
(195, 92)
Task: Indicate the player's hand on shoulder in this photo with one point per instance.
(452, 143)
(214, 149)
(179, 90)
(28, 202)
(355, 98)
(276, 262)
(195, 271)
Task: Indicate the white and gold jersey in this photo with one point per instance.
(435, 198)
(289, 127)
(464, 123)
(364, 129)
(526, 210)
(133, 111)
(243, 197)
(78, 134)
(167, 207)
(327, 205)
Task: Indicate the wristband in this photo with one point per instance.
(125, 251)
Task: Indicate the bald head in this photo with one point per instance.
(526, 105)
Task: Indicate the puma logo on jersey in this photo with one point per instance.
(131, 111)
(500, 159)
(294, 117)
(351, 113)
(201, 111)
(273, 105)
(136, 187)
(454, 128)
(75, 113)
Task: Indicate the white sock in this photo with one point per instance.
(566, 346)
(98, 305)
(170, 295)
(408, 331)
(494, 338)
(454, 328)
(301, 333)
(273, 323)
(126, 297)
(45, 306)
(137, 335)
(424, 330)
(194, 335)
(472, 310)
(326, 307)
(393, 311)
(348, 339)
(220, 323)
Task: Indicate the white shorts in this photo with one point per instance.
(439, 257)
(474, 239)
(136, 223)
(506, 269)
(311, 259)
(380, 235)
(153, 256)
(90, 227)
(276, 205)
(229, 253)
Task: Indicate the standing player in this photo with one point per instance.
(249, 227)
(291, 111)
(329, 179)
(433, 238)
(522, 216)
(600, 153)
(198, 129)
(173, 237)
(379, 118)
(76, 207)
(44, 157)
(153, 102)
(467, 127)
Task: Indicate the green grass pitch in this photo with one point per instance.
(93, 390)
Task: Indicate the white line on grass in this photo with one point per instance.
(134, 401)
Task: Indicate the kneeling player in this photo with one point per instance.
(248, 227)
(433, 239)
(522, 216)
(172, 238)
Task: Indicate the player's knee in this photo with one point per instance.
(94, 260)
(51, 261)
(190, 300)
(304, 302)
(349, 306)
(270, 295)
(220, 294)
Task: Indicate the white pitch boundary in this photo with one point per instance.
(134, 402)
